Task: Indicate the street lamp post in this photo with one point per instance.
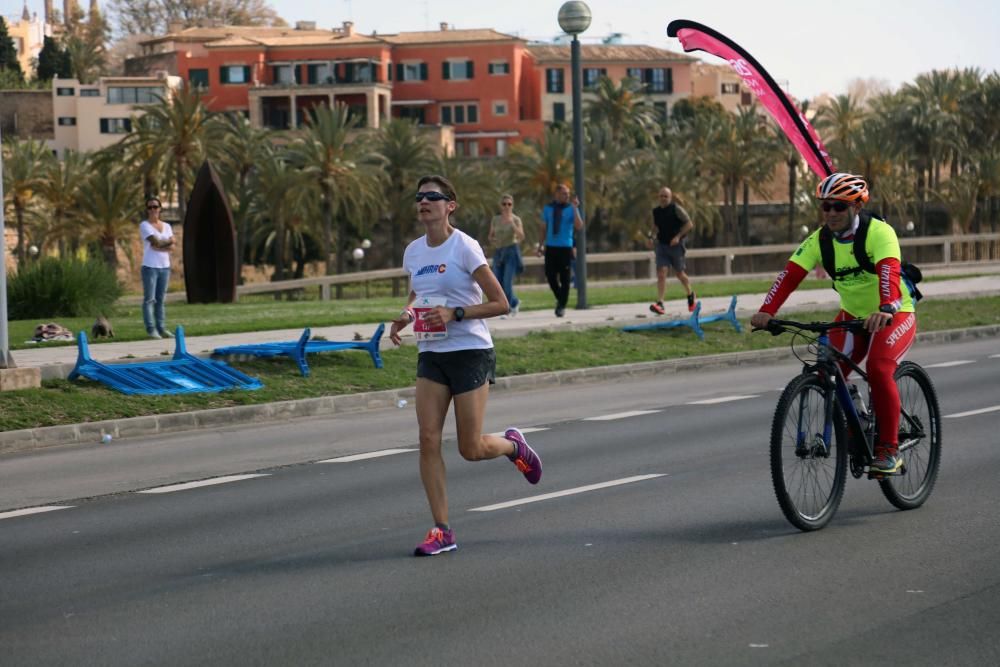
(574, 18)
(6, 361)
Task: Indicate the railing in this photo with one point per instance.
(929, 251)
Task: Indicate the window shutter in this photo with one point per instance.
(647, 75)
(399, 72)
(446, 115)
(445, 70)
(473, 113)
(670, 80)
(224, 75)
(296, 71)
(423, 71)
(471, 69)
(128, 124)
(388, 72)
(246, 74)
(104, 126)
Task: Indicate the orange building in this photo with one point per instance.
(490, 88)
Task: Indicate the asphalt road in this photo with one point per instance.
(681, 557)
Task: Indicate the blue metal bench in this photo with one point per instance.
(694, 322)
(298, 350)
(183, 374)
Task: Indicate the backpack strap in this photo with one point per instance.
(860, 256)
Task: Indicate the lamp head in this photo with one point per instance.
(574, 17)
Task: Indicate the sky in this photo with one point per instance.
(810, 47)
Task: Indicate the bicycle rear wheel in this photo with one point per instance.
(808, 477)
(919, 439)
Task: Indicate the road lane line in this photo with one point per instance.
(949, 364)
(33, 510)
(995, 356)
(205, 482)
(724, 399)
(524, 430)
(368, 455)
(620, 415)
(980, 411)
(567, 492)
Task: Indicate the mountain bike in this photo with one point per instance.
(822, 427)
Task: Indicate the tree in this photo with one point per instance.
(624, 109)
(86, 43)
(24, 167)
(178, 130)
(109, 204)
(536, 167)
(153, 17)
(53, 61)
(345, 172)
(241, 151)
(9, 64)
(407, 155)
(60, 189)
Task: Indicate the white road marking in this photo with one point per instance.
(949, 364)
(995, 356)
(33, 510)
(368, 455)
(524, 431)
(567, 492)
(620, 415)
(723, 399)
(205, 482)
(980, 411)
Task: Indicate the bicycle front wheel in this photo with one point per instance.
(808, 474)
(919, 439)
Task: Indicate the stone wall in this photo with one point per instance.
(26, 114)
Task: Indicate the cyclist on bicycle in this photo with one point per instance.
(878, 298)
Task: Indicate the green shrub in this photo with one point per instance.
(53, 287)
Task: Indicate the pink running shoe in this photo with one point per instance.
(437, 541)
(525, 458)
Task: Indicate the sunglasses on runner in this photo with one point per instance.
(838, 206)
(432, 196)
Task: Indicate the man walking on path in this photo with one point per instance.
(671, 223)
(560, 219)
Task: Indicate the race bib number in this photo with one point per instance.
(422, 330)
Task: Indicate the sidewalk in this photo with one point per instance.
(57, 362)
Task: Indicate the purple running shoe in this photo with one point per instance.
(437, 541)
(525, 458)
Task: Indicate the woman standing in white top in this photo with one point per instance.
(158, 241)
(457, 362)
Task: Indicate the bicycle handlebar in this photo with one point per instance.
(777, 327)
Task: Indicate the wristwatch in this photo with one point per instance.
(459, 313)
(887, 308)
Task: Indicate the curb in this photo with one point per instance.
(91, 432)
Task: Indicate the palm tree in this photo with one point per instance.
(605, 158)
(60, 189)
(408, 155)
(624, 109)
(178, 130)
(109, 203)
(242, 149)
(345, 172)
(478, 191)
(536, 167)
(24, 166)
(837, 121)
(282, 200)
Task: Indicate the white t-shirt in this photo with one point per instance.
(151, 257)
(446, 272)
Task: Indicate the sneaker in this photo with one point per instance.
(437, 542)
(691, 302)
(657, 308)
(560, 311)
(166, 334)
(154, 335)
(887, 462)
(525, 458)
(514, 310)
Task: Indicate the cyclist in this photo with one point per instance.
(890, 323)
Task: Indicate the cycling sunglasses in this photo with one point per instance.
(838, 206)
(432, 196)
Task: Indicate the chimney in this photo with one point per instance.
(444, 25)
(349, 28)
(305, 25)
(175, 27)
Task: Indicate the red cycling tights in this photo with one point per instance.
(885, 350)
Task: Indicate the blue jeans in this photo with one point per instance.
(154, 289)
(506, 264)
